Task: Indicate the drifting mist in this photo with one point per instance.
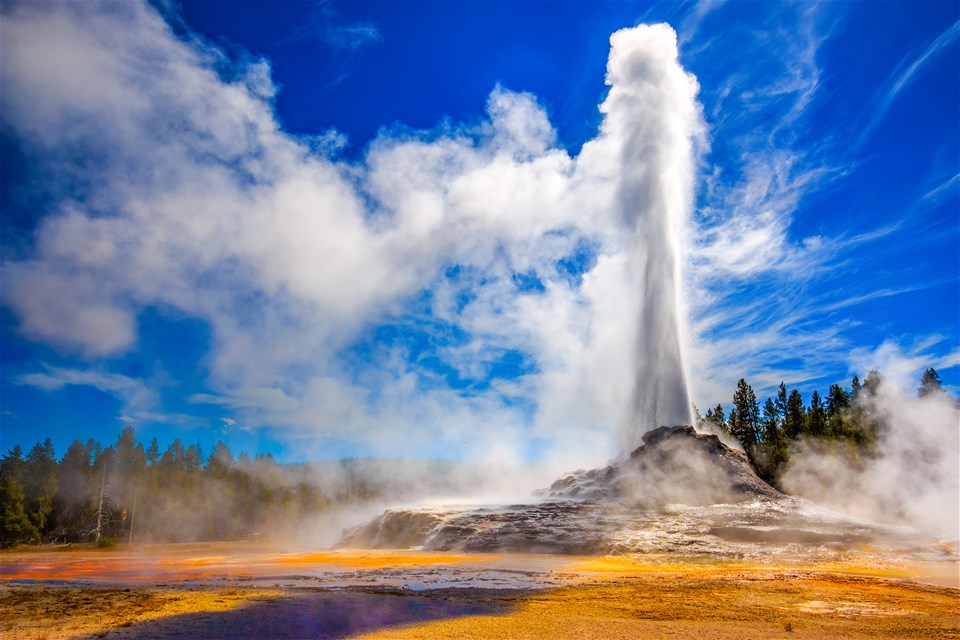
(911, 479)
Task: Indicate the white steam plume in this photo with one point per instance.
(914, 480)
(652, 118)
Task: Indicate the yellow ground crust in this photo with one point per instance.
(685, 605)
(152, 563)
(606, 597)
(697, 604)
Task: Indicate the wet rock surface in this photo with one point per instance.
(680, 492)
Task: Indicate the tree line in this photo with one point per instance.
(844, 416)
(128, 492)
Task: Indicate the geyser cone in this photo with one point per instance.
(679, 492)
(651, 120)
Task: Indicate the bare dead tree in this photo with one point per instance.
(100, 512)
(133, 514)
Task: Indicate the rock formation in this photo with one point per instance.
(675, 465)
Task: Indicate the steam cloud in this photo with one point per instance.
(913, 481)
(170, 185)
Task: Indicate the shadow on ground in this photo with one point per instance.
(318, 614)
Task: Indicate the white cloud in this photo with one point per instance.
(175, 186)
(691, 22)
(747, 209)
(137, 398)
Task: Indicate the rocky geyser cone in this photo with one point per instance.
(674, 465)
(586, 511)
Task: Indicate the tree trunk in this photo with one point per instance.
(103, 481)
(133, 516)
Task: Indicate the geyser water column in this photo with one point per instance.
(651, 122)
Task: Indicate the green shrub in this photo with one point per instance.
(106, 543)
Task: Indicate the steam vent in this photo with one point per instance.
(679, 491)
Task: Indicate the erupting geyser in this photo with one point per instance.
(651, 119)
(644, 152)
(672, 489)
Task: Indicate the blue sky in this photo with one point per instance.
(330, 229)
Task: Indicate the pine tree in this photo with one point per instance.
(930, 384)
(745, 415)
(221, 459)
(816, 417)
(15, 527)
(772, 453)
(869, 422)
(127, 479)
(871, 384)
(794, 418)
(719, 418)
(11, 464)
(103, 511)
(153, 452)
(770, 423)
(838, 405)
(224, 503)
(175, 455)
(193, 458)
(40, 484)
(781, 402)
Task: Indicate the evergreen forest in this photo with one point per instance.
(846, 418)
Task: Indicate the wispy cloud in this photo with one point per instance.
(135, 395)
(766, 302)
(322, 26)
(747, 209)
(745, 229)
(692, 19)
(944, 189)
(750, 269)
(901, 78)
